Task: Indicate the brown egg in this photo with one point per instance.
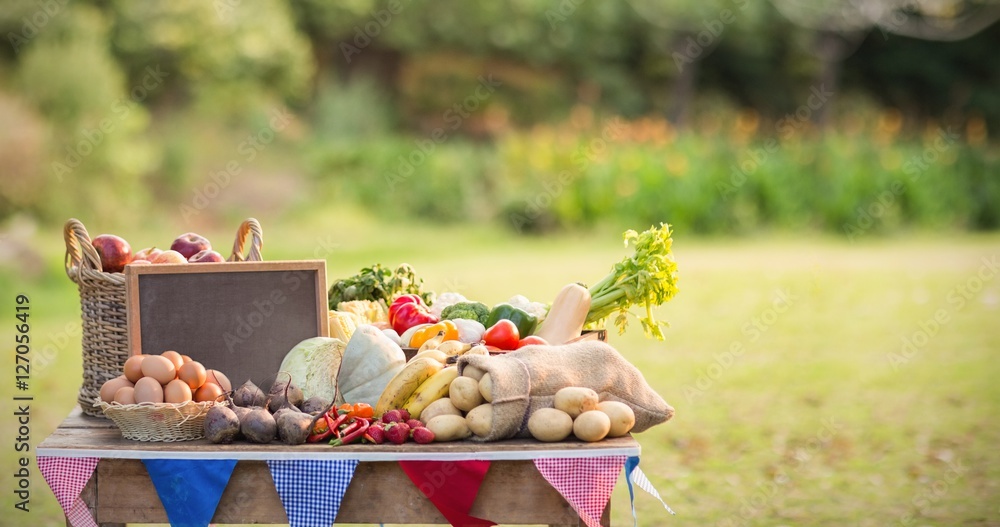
(159, 367)
(209, 392)
(217, 377)
(125, 395)
(174, 358)
(176, 391)
(186, 358)
(109, 388)
(193, 373)
(133, 367)
(148, 390)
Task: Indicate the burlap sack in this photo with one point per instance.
(527, 379)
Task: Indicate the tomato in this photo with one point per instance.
(532, 340)
(503, 335)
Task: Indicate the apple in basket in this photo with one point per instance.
(169, 257)
(114, 251)
(149, 254)
(206, 256)
(190, 244)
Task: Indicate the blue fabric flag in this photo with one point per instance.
(311, 490)
(635, 475)
(190, 489)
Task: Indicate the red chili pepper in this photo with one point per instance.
(408, 311)
(317, 437)
(357, 429)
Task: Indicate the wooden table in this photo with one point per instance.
(513, 491)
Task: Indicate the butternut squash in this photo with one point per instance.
(566, 316)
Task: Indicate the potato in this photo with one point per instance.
(575, 400)
(621, 415)
(592, 425)
(486, 387)
(464, 393)
(449, 428)
(442, 406)
(550, 425)
(473, 372)
(480, 420)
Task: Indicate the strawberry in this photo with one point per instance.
(392, 416)
(423, 435)
(398, 433)
(414, 424)
(404, 415)
(377, 434)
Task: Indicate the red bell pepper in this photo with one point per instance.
(408, 311)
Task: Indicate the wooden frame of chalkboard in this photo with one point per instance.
(240, 318)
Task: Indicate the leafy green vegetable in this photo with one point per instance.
(648, 278)
(469, 310)
(379, 283)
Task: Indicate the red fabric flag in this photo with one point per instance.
(586, 483)
(452, 486)
(66, 477)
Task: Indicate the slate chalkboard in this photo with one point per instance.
(240, 318)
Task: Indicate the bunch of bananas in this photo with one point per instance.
(426, 377)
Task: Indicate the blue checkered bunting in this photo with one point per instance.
(311, 490)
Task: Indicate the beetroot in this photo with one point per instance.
(249, 395)
(315, 404)
(258, 426)
(284, 392)
(294, 426)
(221, 425)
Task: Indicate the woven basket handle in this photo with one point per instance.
(80, 253)
(250, 228)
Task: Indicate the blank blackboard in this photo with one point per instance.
(240, 318)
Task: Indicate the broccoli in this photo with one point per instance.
(470, 310)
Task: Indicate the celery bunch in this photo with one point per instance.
(648, 278)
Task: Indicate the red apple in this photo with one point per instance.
(114, 251)
(190, 244)
(206, 256)
(169, 257)
(148, 254)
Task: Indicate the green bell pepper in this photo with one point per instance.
(524, 321)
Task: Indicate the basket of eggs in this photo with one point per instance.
(162, 397)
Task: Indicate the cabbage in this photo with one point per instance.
(314, 364)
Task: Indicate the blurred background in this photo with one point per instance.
(831, 169)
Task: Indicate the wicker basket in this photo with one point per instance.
(160, 421)
(102, 305)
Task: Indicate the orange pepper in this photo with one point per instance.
(363, 410)
(423, 335)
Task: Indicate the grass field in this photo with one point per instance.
(798, 401)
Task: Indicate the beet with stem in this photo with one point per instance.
(258, 426)
(249, 395)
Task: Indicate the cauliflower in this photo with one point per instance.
(532, 308)
(444, 300)
(470, 310)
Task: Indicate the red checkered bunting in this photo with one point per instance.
(66, 477)
(586, 483)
